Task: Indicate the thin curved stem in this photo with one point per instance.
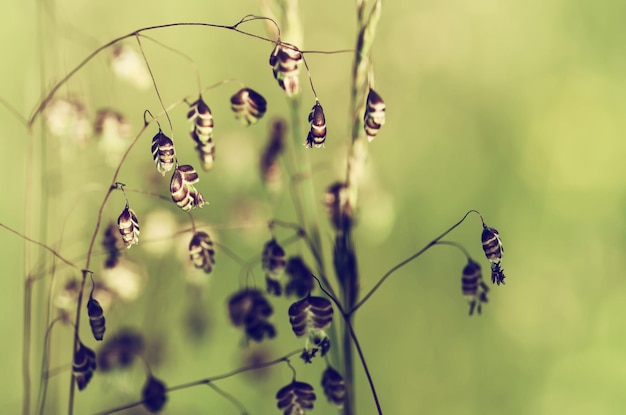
(406, 261)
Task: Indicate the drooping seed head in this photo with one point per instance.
(273, 260)
(96, 318)
(294, 398)
(111, 243)
(163, 152)
(182, 188)
(154, 394)
(128, 226)
(120, 350)
(300, 277)
(334, 386)
(374, 114)
(473, 287)
(285, 60)
(492, 245)
(201, 251)
(83, 366)
(202, 120)
(338, 206)
(317, 134)
(249, 308)
(248, 105)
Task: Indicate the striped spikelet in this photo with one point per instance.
(182, 188)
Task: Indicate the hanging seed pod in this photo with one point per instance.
(334, 386)
(492, 245)
(248, 105)
(206, 151)
(273, 264)
(310, 313)
(338, 206)
(202, 120)
(311, 316)
(317, 134)
(83, 366)
(128, 226)
(374, 114)
(201, 251)
(294, 398)
(154, 394)
(182, 188)
(96, 318)
(300, 278)
(110, 245)
(163, 152)
(284, 61)
(473, 287)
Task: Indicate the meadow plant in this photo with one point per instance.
(287, 279)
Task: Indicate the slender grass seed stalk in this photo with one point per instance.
(301, 285)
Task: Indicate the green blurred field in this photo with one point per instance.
(511, 108)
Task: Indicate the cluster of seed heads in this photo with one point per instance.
(83, 366)
(295, 397)
(285, 61)
(201, 251)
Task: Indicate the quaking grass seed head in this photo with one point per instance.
(96, 318)
(128, 226)
(249, 308)
(374, 114)
(201, 251)
(201, 119)
(334, 386)
(317, 134)
(248, 105)
(285, 61)
(492, 246)
(311, 316)
(295, 397)
(473, 287)
(154, 394)
(83, 366)
(182, 188)
(163, 152)
(301, 280)
(338, 206)
(206, 152)
(274, 262)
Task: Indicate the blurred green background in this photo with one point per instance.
(512, 108)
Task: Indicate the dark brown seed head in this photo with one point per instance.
(183, 191)
(128, 226)
(84, 365)
(294, 398)
(248, 105)
(120, 350)
(300, 277)
(201, 251)
(374, 114)
(250, 308)
(285, 60)
(163, 152)
(310, 313)
(111, 243)
(317, 134)
(334, 386)
(269, 166)
(154, 394)
(202, 120)
(492, 245)
(337, 205)
(473, 287)
(96, 318)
